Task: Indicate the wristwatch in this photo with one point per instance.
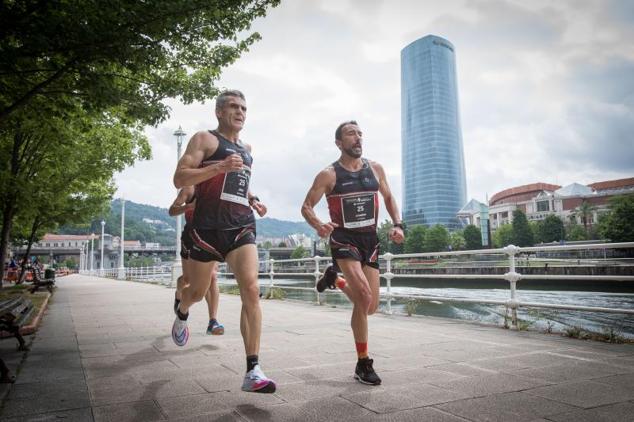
(399, 225)
(253, 199)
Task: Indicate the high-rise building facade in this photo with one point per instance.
(434, 182)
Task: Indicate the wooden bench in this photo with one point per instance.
(14, 313)
(40, 281)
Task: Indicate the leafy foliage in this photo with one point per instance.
(415, 239)
(522, 233)
(618, 224)
(551, 229)
(436, 239)
(503, 236)
(472, 237)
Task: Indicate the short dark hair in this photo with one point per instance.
(340, 128)
(224, 96)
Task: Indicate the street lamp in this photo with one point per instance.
(121, 267)
(92, 252)
(177, 268)
(103, 223)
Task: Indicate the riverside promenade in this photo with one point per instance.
(104, 353)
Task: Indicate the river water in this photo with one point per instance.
(534, 319)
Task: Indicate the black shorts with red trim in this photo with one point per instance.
(360, 246)
(214, 245)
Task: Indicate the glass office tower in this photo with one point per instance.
(434, 183)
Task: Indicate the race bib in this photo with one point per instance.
(236, 187)
(358, 211)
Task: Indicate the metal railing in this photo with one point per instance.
(312, 268)
(512, 304)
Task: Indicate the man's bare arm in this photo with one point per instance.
(323, 183)
(180, 204)
(201, 145)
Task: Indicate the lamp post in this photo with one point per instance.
(92, 253)
(103, 224)
(121, 266)
(177, 268)
(81, 259)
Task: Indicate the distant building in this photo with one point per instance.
(434, 182)
(539, 200)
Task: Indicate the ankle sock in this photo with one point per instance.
(362, 350)
(213, 321)
(340, 283)
(181, 316)
(251, 362)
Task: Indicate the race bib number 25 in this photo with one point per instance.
(236, 187)
(358, 211)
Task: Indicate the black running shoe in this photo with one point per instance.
(327, 280)
(364, 373)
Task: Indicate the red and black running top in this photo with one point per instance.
(222, 202)
(354, 202)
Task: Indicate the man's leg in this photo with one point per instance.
(198, 276)
(212, 296)
(244, 264)
(362, 287)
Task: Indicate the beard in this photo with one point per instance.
(351, 152)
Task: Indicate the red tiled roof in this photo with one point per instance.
(612, 184)
(50, 237)
(533, 187)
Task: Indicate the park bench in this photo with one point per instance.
(14, 313)
(47, 282)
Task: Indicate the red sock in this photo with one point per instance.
(362, 350)
(341, 282)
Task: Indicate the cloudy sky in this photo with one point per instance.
(546, 93)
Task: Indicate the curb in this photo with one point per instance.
(32, 327)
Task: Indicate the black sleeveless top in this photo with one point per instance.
(354, 202)
(222, 202)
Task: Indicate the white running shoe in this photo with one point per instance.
(180, 332)
(256, 382)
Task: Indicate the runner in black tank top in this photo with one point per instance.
(351, 185)
(219, 165)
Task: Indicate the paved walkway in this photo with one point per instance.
(104, 353)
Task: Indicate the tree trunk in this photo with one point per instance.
(34, 227)
(7, 221)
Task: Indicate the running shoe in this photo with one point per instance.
(256, 382)
(180, 332)
(215, 328)
(364, 373)
(327, 280)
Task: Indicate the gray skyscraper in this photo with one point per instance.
(434, 183)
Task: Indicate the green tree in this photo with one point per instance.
(415, 238)
(383, 233)
(129, 54)
(56, 171)
(576, 232)
(299, 252)
(503, 236)
(584, 212)
(552, 229)
(282, 245)
(618, 225)
(457, 240)
(267, 245)
(436, 239)
(536, 229)
(472, 237)
(522, 233)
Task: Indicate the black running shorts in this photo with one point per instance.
(360, 246)
(214, 245)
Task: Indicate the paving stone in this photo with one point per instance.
(584, 393)
(75, 415)
(488, 384)
(620, 412)
(141, 411)
(382, 400)
(570, 371)
(200, 404)
(516, 407)
(423, 414)
(29, 406)
(336, 409)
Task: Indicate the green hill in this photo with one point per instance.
(148, 223)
